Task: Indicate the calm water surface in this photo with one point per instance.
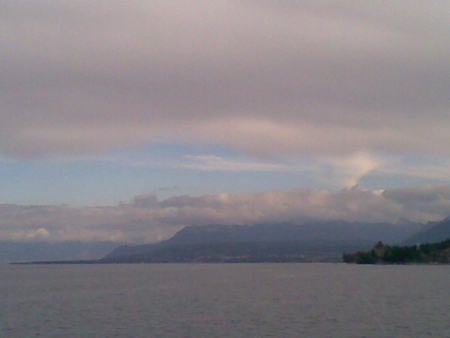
(224, 300)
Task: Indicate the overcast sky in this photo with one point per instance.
(104, 102)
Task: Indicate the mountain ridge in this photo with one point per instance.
(313, 241)
(431, 232)
(318, 241)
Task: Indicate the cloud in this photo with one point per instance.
(147, 219)
(352, 168)
(217, 163)
(38, 234)
(345, 171)
(265, 77)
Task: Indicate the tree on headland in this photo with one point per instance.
(385, 254)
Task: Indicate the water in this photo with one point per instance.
(224, 300)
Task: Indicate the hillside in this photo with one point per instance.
(315, 241)
(431, 232)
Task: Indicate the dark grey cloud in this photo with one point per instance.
(147, 219)
(424, 201)
(263, 76)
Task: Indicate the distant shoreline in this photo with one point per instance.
(429, 253)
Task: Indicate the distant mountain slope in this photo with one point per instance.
(329, 230)
(432, 232)
(264, 242)
(276, 251)
(40, 251)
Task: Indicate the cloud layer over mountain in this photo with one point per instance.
(339, 88)
(148, 219)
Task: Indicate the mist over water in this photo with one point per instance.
(225, 300)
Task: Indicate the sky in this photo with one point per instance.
(129, 120)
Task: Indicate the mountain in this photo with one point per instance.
(431, 232)
(331, 230)
(45, 251)
(313, 241)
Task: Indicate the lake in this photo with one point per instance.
(225, 300)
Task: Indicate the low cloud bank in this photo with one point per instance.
(147, 219)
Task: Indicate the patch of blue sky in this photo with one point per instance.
(409, 170)
(191, 169)
(381, 180)
(119, 176)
